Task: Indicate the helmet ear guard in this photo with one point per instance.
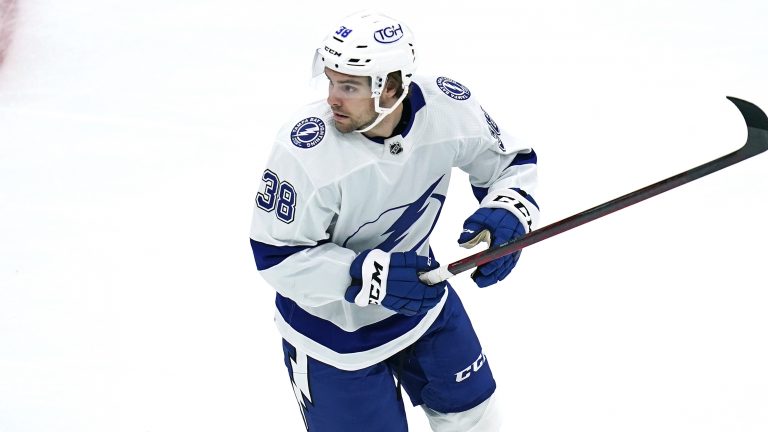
(373, 45)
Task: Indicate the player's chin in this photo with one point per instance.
(344, 125)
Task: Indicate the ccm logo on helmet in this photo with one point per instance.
(331, 51)
(389, 34)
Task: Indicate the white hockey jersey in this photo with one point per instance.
(326, 196)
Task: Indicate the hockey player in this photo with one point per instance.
(350, 194)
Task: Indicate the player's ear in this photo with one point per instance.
(393, 85)
(390, 89)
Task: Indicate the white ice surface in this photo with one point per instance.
(133, 136)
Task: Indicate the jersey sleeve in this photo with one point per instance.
(502, 169)
(290, 231)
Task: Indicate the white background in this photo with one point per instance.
(133, 135)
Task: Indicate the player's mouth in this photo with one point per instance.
(339, 117)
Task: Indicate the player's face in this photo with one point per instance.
(350, 100)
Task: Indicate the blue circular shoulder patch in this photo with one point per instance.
(454, 89)
(308, 132)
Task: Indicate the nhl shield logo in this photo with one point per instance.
(395, 148)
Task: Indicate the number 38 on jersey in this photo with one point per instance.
(278, 196)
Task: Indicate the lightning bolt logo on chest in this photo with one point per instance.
(403, 222)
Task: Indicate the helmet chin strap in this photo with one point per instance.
(383, 112)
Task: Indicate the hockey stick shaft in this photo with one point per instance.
(757, 142)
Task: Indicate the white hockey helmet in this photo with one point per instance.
(369, 44)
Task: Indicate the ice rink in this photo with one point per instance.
(133, 136)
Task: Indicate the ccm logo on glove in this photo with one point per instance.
(373, 266)
(524, 214)
(373, 297)
(392, 281)
(518, 203)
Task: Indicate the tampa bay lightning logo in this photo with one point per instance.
(308, 132)
(397, 223)
(453, 88)
(494, 128)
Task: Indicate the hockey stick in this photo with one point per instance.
(757, 142)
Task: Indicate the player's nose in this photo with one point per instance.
(333, 100)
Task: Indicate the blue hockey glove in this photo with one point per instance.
(392, 280)
(504, 215)
(493, 226)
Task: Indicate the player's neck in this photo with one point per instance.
(387, 125)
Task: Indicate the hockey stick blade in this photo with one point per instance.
(757, 142)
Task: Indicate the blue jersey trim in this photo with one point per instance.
(328, 334)
(268, 256)
(525, 158)
(479, 192)
(415, 101)
(520, 159)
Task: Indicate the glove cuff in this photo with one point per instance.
(516, 203)
(374, 271)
